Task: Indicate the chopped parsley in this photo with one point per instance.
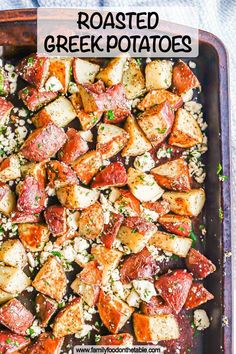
(26, 91)
(57, 254)
(161, 131)
(110, 115)
(134, 231)
(169, 150)
(193, 237)
(180, 228)
(174, 257)
(30, 61)
(119, 338)
(221, 214)
(31, 331)
(219, 172)
(2, 152)
(138, 60)
(8, 340)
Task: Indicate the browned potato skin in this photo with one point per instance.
(33, 236)
(45, 307)
(51, 279)
(116, 339)
(60, 68)
(91, 221)
(69, 320)
(87, 166)
(45, 344)
(113, 312)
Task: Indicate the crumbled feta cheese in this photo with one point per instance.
(133, 299)
(193, 107)
(84, 331)
(72, 88)
(53, 84)
(73, 220)
(201, 320)
(149, 215)
(35, 329)
(144, 162)
(187, 96)
(80, 244)
(68, 253)
(118, 289)
(86, 135)
(192, 64)
(145, 289)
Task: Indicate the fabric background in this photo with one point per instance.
(216, 16)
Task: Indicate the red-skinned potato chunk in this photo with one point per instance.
(7, 199)
(155, 328)
(114, 175)
(135, 233)
(11, 342)
(154, 97)
(174, 288)
(59, 174)
(111, 229)
(160, 207)
(43, 143)
(46, 343)
(127, 203)
(33, 236)
(157, 122)
(5, 110)
(197, 296)
(84, 71)
(156, 306)
(124, 339)
(114, 312)
(176, 224)
(138, 266)
(34, 69)
(60, 68)
(51, 279)
(37, 170)
(183, 78)
(87, 120)
(31, 197)
(186, 131)
(34, 99)
(45, 308)
(116, 116)
(15, 316)
(173, 175)
(56, 219)
(91, 221)
(87, 166)
(199, 265)
(73, 148)
(91, 274)
(111, 139)
(10, 169)
(69, 320)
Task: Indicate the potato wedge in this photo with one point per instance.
(35, 99)
(155, 328)
(51, 279)
(177, 245)
(183, 78)
(59, 112)
(91, 221)
(158, 74)
(157, 122)
(56, 219)
(173, 175)
(60, 68)
(137, 144)
(59, 174)
(176, 224)
(87, 166)
(186, 131)
(114, 312)
(133, 80)
(73, 196)
(143, 186)
(10, 169)
(114, 175)
(33, 236)
(13, 280)
(12, 253)
(7, 199)
(45, 308)
(112, 73)
(186, 203)
(84, 71)
(111, 139)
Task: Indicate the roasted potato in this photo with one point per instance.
(37, 170)
(111, 139)
(11, 342)
(127, 203)
(69, 320)
(91, 221)
(176, 224)
(174, 287)
(171, 243)
(87, 166)
(84, 71)
(10, 169)
(5, 110)
(137, 144)
(59, 112)
(135, 233)
(173, 175)
(197, 296)
(34, 147)
(186, 203)
(112, 73)
(45, 308)
(15, 316)
(124, 339)
(199, 265)
(186, 131)
(114, 312)
(56, 219)
(143, 186)
(4, 296)
(161, 207)
(73, 148)
(12, 253)
(183, 78)
(19, 217)
(46, 343)
(51, 279)
(7, 199)
(60, 68)
(133, 80)
(155, 328)
(154, 97)
(33, 236)
(158, 74)
(31, 196)
(156, 306)
(111, 229)
(88, 292)
(13, 280)
(114, 175)
(73, 196)
(157, 122)
(35, 99)
(59, 174)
